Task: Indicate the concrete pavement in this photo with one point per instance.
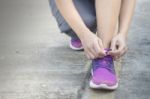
(36, 62)
(135, 75)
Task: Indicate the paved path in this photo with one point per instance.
(135, 77)
(36, 62)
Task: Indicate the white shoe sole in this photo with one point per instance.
(75, 48)
(102, 86)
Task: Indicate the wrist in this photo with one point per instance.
(124, 35)
(84, 33)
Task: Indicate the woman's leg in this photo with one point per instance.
(86, 9)
(107, 12)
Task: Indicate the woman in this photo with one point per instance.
(100, 27)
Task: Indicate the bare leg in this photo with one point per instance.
(107, 12)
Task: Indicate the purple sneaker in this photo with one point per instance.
(76, 44)
(103, 74)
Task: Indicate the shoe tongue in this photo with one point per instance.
(105, 62)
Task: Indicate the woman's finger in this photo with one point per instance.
(87, 56)
(100, 43)
(98, 51)
(91, 55)
(118, 51)
(113, 44)
(97, 48)
(123, 52)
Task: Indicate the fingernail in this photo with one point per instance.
(105, 52)
(108, 53)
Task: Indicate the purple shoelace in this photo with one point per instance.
(105, 62)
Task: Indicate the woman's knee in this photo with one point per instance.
(90, 22)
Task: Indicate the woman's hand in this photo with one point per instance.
(93, 46)
(118, 46)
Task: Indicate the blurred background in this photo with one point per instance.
(36, 62)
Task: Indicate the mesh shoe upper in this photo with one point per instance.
(103, 71)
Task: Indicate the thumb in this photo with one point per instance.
(101, 45)
(113, 45)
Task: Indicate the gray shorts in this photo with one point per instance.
(86, 9)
